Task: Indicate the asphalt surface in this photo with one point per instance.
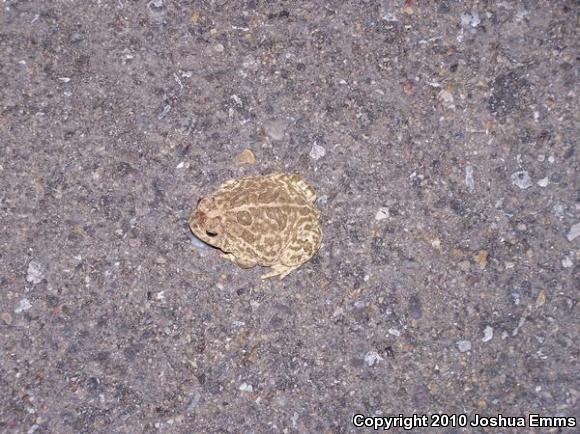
(441, 138)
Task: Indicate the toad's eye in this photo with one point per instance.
(210, 233)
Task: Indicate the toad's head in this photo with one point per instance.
(207, 223)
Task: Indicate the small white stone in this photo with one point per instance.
(237, 99)
(551, 159)
(521, 14)
(463, 346)
(382, 214)
(475, 20)
(294, 419)
(33, 429)
(469, 181)
(543, 182)
(567, 262)
(317, 152)
(470, 19)
(446, 96)
(390, 18)
(372, 358)
(558, 210)
(35, 272)
(244, 387)
(339, 311)
(522, 179)
(573, 232)
(180, 165)
(394, 332)
(487, 334)
(23, 305)
(361, 304)
(164, 112)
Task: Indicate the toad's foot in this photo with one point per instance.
(278, 270)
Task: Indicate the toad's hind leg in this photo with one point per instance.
(278, 270)
(298, 251)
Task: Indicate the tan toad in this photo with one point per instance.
(261, 220)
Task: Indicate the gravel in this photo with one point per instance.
(463, 346)
(36, 272)
(522, 179)
(23, 305)
(573, 232)
(317, 152)
(469, 180)
(487, 334)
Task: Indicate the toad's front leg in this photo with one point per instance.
(240, 262)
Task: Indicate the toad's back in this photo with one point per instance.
(267, 215)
